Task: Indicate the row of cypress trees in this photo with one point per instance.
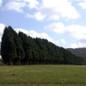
(19, 49)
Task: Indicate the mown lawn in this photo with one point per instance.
(43, 75)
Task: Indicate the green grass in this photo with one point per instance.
(43, 75)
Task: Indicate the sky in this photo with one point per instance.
(62, 22)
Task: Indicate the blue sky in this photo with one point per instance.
(62, 22)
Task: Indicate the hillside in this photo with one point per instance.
(79, 52)
(22, 49)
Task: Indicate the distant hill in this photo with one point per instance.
(79, 52)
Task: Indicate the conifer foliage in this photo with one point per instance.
(19, 49)
(11, 47)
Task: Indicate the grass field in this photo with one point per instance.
(43, 75)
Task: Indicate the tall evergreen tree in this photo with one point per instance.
(25, 46)
(30, 48)
(11, 47)
(8, 47)
(19, 49)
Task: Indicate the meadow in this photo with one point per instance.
(43, 75)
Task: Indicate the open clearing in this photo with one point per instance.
(43, 75)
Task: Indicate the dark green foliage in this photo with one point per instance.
(8, 47)
(30, 48)
(23, 49)
(11, 47)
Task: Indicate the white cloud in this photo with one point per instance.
(31, 33)
(73, 45)
(83, 4)
(45, 9)
(22, 30)
(82, 40)
(53, 17)
(19, 5)
(77, 45)
(0, 3)
(15, 5)
(63, 41)
(56, 42)
(58, 9)
(38, 16)
(32, 3)
(57, 27)
(2, 26)
(81, 43)
(76, 31)
(34, 34)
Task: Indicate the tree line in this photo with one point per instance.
(20, 49)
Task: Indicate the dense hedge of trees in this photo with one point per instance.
(22, 49)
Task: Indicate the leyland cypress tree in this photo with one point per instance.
(11, 47)
(25, 45)
(19, 49)
(30, 48)
(8, 47)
